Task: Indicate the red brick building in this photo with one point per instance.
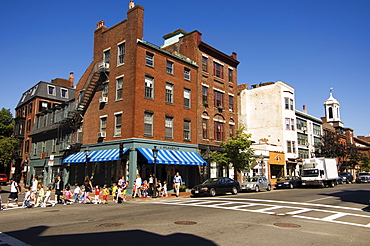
(178, 97)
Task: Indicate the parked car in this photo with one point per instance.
(347, 177)
(339, 180)
(256, 184)
(214, 186)
(3, 179)
(288, 182)
(363, 177)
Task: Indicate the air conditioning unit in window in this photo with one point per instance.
(103, 65)
(102, 134)
(103, 100)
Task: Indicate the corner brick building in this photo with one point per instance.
(178, 98)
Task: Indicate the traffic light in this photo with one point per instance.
(121, 151)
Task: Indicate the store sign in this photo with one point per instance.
(50, 163)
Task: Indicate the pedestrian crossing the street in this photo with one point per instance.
(309, 211)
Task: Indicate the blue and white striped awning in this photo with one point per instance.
(173, 157)
(94, 156)
(106, 155)
(164, 156)
(189, 158)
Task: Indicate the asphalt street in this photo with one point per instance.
(331, 216)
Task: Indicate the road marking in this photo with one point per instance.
(246, 205)
(11, 241)
(319, 199)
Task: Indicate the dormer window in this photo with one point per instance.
(51, 90)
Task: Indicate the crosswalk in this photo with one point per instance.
(309, 211)
(11, 241)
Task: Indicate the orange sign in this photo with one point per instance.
(277, 158)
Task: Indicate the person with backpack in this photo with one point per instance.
(14, 192)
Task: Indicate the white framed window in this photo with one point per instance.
(105, 90)
(106, 56)
(169, 67)
(121, 53)
(187, 130)
(204, 64)
(63, 93)
(169, 127)
(186, 98)
(148, 123)
(169, 93)
(103, 124)
(187, 73)
(205, 128)
(51, 90)
(119, 84)
(149, 59)
(117, 124)
(148, 92)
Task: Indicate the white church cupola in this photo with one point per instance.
(332, 112)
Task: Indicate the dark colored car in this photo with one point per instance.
(3, 179)
(288, 182)
(339, 180)
(215, 186)
(347, 177)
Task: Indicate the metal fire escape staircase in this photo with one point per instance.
(98, 75)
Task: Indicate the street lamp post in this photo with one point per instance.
(262, 165)
(155, 154)
(87, 153)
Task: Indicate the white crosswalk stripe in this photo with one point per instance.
(317, 212)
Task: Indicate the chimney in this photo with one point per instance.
(100, 24)
(131, 5)
(71, 80)
(233, 55)
(304, 109)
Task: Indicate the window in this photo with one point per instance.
(303, 153)
(149, 61)
(53, 146)
(289, 146)
(105, 90)
(30, 108)
(119, 83)
(219, 98)
(292, 124)
(302, 139)
(231, 130)
(148, 124)
(27, 146)
(169, 127)
(219, 131)
(231, 103)
(43, 147)
(186, 98)
(204, 64)
(186, 73)
(51, 90)
(230, 74)
(117, 124)
(169, 93)
(301, 124)
(103, 124)
(205, 94)
(106, 56)
(121, 54)
(291, 104)
(293, 146)
(286, 101)
(28, 126)
(169, 67)
(316, 129)
(205, 128)
(218, 70)
(148, 92)
(35, 149)
(187, 124)
(64, 93)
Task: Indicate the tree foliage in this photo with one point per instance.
(8, 144)
(237, 152)
(330, 146)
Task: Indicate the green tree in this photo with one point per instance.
(329, 146)
(237, 152)
(8, 144)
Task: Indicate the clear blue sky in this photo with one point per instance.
(311, 45)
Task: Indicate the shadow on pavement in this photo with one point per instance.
(33, 236)
(355, 196)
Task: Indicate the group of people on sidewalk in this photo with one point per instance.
(39, 196)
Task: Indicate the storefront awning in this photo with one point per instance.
(94, 156)
(173, 157)
(106, 155)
